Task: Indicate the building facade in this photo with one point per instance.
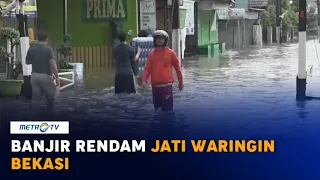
(89, 24)
(237, 30)
(208, 35)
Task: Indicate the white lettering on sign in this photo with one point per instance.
(104, 9)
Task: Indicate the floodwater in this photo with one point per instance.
(247, 94)
(237, 83)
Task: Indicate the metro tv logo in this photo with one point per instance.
(42, 127)
(38, 127)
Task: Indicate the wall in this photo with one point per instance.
(205, 35)
(51, 13)
(91, 41)
(228, 33)
(83, 33)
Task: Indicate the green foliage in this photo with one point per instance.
(311, 17)
(66, 50)
(268, 16)
(33, 42)
(11, 35)
(4, 53)
(290, 19)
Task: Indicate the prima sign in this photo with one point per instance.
(105, 10)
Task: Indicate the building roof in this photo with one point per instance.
(257, 3)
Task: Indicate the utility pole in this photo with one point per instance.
(280, 18)
(301, 81)
(65, 23)
(175, 41)
(318, 17)
(278, 21)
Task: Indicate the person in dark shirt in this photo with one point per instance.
(124, 55)
(41, 57)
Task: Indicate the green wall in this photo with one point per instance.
(205, 35)
(51, 12)
(83, 33)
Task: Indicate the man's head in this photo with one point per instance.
(143, 33)
(160, 41)
(122, 37)
(160, 38)
(43, 38)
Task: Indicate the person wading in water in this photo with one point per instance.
(43, 62)
(159, 65)
(124, 55)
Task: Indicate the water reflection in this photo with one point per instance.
(97, 78)
(302, 113)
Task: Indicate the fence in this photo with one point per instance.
(69, 81)
(294, 32)
(90, 56)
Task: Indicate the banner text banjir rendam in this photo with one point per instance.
(157, 146)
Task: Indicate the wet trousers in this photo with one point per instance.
(163, 97)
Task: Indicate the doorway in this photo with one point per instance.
(192, 40)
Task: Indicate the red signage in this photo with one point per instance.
(301, 14)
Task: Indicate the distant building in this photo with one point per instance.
(237, 31)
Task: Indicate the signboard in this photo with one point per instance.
(182, 15)
(105, 10)
(148, 19)
(189, 16)
(237, 13)
(29, 6)
(242, 4)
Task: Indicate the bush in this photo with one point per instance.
(13, 36)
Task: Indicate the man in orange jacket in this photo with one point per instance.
(159, 65)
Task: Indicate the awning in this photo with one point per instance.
(222, 14)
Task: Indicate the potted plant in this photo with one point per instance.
(10, 86)
(66, 50)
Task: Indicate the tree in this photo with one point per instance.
(12, 36)
(268, 16)
(289, 20)
(291, 17)
(311, 17)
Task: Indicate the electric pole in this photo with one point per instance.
(278, 21)
(318, 18)
(175, 41)
(301, 80)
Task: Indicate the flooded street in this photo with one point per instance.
(238, 95)
(258, 84)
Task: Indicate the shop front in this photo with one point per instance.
(89, 23)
